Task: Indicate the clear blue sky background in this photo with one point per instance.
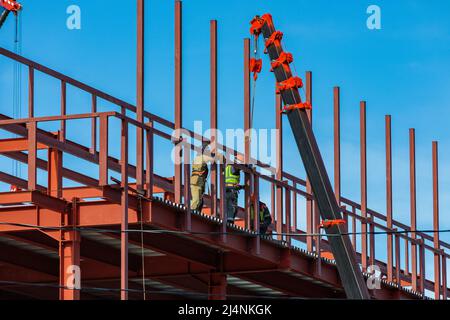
(402, 70)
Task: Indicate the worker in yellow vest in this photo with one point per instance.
(265, 219)
(199, 175)
(232, 188)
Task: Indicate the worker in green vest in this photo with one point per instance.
(232, 188)
(265, 219)
(199, 175)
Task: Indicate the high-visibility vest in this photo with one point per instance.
(263, 212)
(230, 178)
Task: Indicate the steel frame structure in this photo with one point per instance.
(48, 229)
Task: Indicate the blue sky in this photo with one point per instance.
(402, 69)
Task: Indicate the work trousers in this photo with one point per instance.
(231, 197)
(197, 197)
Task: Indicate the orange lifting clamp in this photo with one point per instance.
(284, 60)
(302, 106)
(291, 83)
(255, 67)
(331, 223)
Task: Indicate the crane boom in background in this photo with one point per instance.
(288, 86)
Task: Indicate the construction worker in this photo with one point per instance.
(265, 219)
(232, 188)
(199, 175)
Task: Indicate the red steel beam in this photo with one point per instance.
(337, 144)
(55, 179)
(140, 78)
(213, 111)
(296, 262)
(32, 155)
(149, 158)
(310, 216)
(17, 144)
(69, 257)
(30, 92)
(124, 213)
(413, 213)
(104, 147)
(178, 94)
(279, 172)
(363, 184)
(93, 148)
(389, 198)
(437, 255)
(247, 129)
(63, 110)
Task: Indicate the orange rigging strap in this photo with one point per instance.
(326, 224)
(284, 60)
(291, 83)
(303, 105)
(275, 39)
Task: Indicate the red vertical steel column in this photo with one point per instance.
(272, 199)
(337, 144)
(279, 171)
(406, 257)
(54, 169)
(140, 78)
(354, 228)
(444, 277)
(124, 208)
(223, 213)
(103, 157)
(93, 125)
(217, 287)
(389, 197)
(363, 186)
(256, 221)
(32, 156)
(437, 254)
(412, 189)
(150, 161)
(187, 185)
(247, 128)
(398, 263)
(30, 92)
(213, 111)
(178, 95)
(294, 210)
(310, 217)
(287, 229)
(63, 110)
(422, 279)
(69, 257)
